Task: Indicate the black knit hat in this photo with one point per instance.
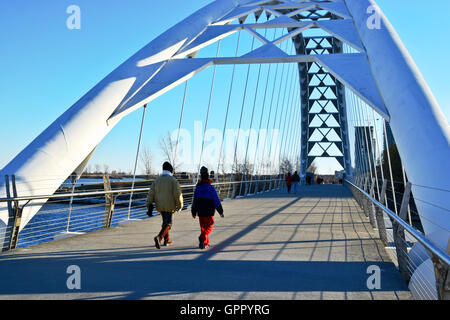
(204, 173)
(168, 167)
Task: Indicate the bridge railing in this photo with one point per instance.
(66, 214)
(426, 266)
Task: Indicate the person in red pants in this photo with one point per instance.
(289, 182)
(206, 202)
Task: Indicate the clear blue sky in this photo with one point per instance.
(45, 67)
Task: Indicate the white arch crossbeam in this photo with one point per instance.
(352, 70)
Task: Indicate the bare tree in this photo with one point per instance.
(105, 169)
(244, 168)
(297, 163)
(312, 168)
(222, 166)
(269, 167)
(286, 166)
(168, 148)
(146, 160)
(97, 169)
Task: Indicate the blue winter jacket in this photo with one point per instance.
(206, 201)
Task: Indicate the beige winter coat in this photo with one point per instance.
(166, 194)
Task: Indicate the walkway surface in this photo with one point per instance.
(313, 245)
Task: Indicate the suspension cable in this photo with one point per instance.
(286, 106)
(390, 166)
(179, 124)
(359, 140)
(275, 118)
(279, 146)
(294, 134)
(245, 164)
(373, 152)
(379, 148)
(209, 108)
(365, 129)
(228, 104)
(364, 147)
(297, 135)
(233, 169)
(268, 122)
(289, 103)
(137, 159)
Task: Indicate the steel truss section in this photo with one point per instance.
(323, 103)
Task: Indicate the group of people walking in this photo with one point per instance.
(292, 180)
(165, 195)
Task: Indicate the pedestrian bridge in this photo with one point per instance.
(298, 82)
(317, 244)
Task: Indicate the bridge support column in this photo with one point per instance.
(109, 204)
(401, 247)
(442, 272)
(15, 216)
(365, 201)
(371, 207)
(316, 102)
(380, 216)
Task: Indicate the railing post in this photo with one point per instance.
(264, 187)
(250, 185)
(399, 236)
(15, 231)
(74, 183)
(370, 206)
(233, 192)
(271, 184)
(360, 199)
(359, 196)
(229, 186)
(364, 200)
(442, 273)
(380, 216)
(10, 223)
(240, 185)
(110, 201)
(16, 214)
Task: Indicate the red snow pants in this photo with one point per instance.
(206, 226)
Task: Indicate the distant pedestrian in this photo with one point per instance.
(166, 194)
(308, 180)
(205, 203)
(295, 181)
(289, 182)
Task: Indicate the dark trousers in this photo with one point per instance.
(166, 218)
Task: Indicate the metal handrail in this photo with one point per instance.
(429, 245)
(117, 191)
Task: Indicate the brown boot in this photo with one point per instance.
(167, 241)
(165, 229)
